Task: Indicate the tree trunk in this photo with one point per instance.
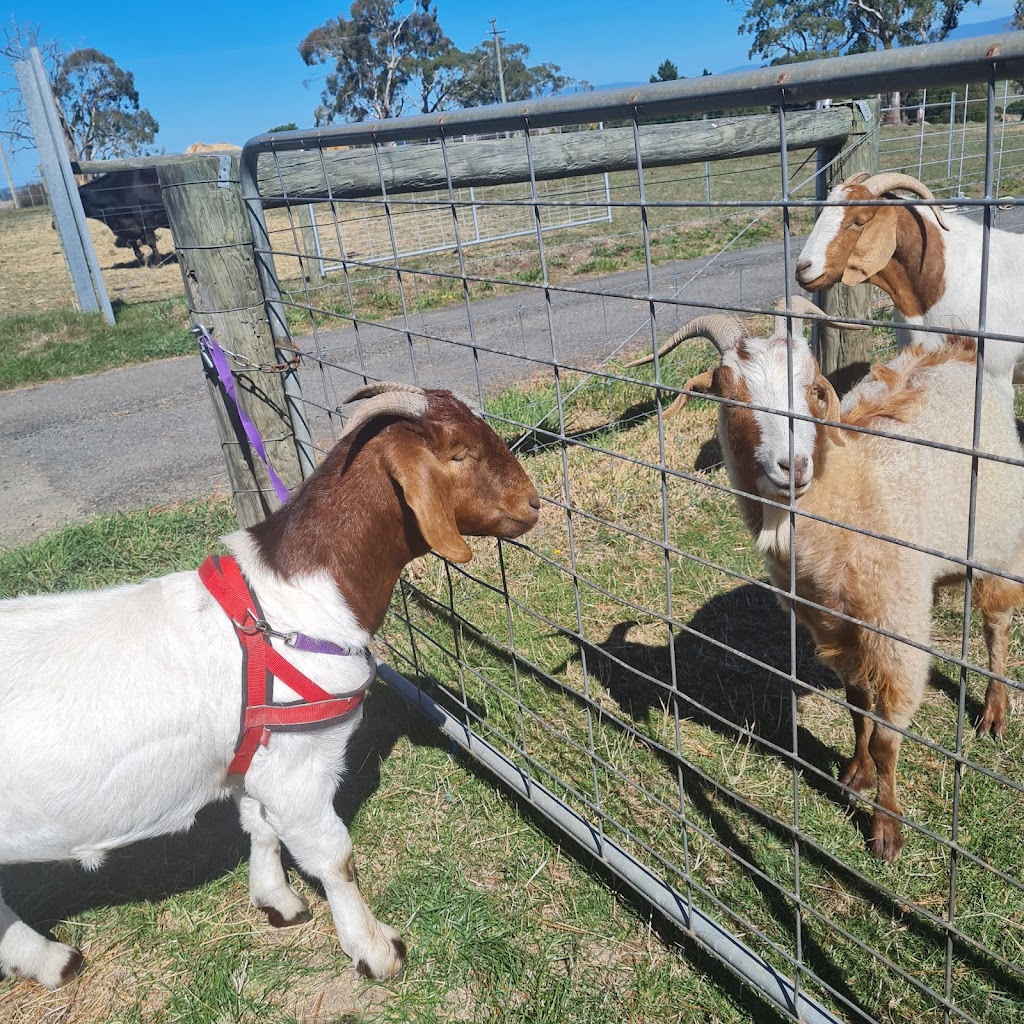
(893, 113)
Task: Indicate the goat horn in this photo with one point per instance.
(401, 403)
(380, 388)
(723, 331)
(798, 304)
(889, 181)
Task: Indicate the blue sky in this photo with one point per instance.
(224, 71)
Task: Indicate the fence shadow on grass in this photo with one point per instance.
(717, 684)
(723, 691)
(545, 435)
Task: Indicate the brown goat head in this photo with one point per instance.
(459, 478)
(414, 470)
(855, 243)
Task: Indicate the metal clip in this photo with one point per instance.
(258, 625)
(264, 627)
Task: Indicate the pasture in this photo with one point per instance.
(35, 278)
(561, 651)
(501, 921)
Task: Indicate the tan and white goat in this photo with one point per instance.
(927, 261)
(120, 707)
(890, 486)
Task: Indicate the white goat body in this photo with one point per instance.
(121, 708)
(138, 684)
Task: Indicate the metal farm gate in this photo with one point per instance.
(625, 668)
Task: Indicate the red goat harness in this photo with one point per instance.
(260, 664)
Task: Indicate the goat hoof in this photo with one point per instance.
(278, 920)
(60, 965)
(389, 964)
(858, 779)
(992, 725)
(886, 840)
(72, 968)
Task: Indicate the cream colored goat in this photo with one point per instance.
(892, 487)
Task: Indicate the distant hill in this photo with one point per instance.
(982, 28)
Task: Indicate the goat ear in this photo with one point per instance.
(703, 383)
(428, 492)
(827, 408)
(874, 248)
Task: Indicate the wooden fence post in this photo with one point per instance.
(845, 356)
(214, 244)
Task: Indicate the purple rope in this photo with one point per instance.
(302, 642)
(219, 361)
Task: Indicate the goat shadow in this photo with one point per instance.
(732, 665)
(44, 894)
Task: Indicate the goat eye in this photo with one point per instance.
(460, 456)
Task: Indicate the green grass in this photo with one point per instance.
(691, 771)
(49, 345)
(121, 548)
(556, 697)
(502, 922)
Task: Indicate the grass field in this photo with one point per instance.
(502, 922)
(33, 276)
(718, 749)
(571, 678)
(645, 684)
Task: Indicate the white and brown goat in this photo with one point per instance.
(927, 261)
(893, 487)
(120, 707)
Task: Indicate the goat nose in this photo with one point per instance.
(535, 501)
(799, 468)
(802, 265)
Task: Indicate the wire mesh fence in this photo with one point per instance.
(24, 195)
(626, 666)
(354, 230)
(942, 138)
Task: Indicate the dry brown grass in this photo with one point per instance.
(34, 274)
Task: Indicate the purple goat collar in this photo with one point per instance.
(297, 641)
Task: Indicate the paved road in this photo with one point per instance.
(145, 434)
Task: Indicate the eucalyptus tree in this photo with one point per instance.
(101, 107)
(788, 30)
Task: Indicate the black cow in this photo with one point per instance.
(130, 204)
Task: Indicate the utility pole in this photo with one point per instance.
(497, 57)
